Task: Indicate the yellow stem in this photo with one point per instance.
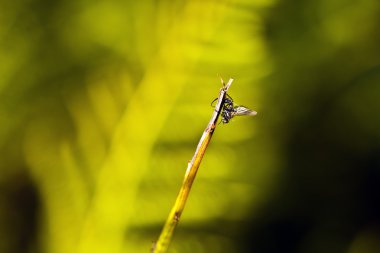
(164, 239)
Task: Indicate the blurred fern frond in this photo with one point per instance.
(111, 91)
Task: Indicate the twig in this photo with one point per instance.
(165, 237)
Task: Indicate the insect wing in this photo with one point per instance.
(241, 110)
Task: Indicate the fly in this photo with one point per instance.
(230, 110)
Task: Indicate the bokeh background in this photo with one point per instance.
(102, 104)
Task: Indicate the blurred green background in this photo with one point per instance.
(102, 104)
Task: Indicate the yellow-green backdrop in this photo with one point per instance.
(102, 104)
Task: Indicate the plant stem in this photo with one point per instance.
(165, 237)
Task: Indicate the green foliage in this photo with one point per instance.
(102, 104)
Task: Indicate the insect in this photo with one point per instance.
(229, 110)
